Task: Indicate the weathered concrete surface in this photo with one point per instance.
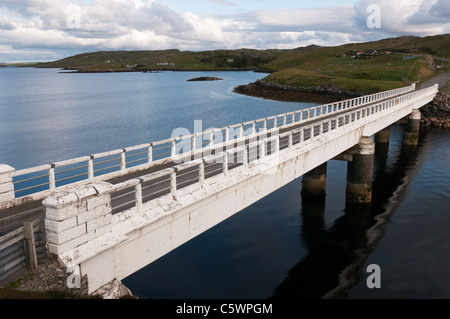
(383, 136)
(360, 173)
(412, 128)
(6, 186)
(314, 182)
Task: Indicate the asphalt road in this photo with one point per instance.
(442, 79)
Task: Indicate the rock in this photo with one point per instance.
(205, 78)
(278, 92)
(51, 276)
(436, 123)
(113, 290)
(437, 112)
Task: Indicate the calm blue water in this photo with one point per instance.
(47, 116)
(278, 247)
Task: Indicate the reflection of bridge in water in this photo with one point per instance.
(337, 255)
(160, 195)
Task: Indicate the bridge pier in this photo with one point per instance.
(382, 137)
(314, 182)
(360, 173)
(411, 130)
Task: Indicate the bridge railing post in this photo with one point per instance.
(173, 182)
(51, 178)
(150, 153)
(225, 164)
(173, 148)
(7, 195)
(138, 196)
(201, 174)
(245, 156)
(262, 148)
(123, 161)
(91, 167)
(290, 137)
(74, 217)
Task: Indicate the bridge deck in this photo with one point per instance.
(13, 218)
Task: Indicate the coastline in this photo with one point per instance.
(435, 113)
(273, 91)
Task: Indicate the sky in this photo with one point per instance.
(48, 30)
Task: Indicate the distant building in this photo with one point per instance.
(165, 63)
(371, 52)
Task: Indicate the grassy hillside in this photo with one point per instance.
(166, 60)
(410, 60)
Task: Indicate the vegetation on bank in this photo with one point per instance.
(396, 63)
(10, 293)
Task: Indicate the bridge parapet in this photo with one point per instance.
(39, 182)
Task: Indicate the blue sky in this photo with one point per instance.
(47, 30)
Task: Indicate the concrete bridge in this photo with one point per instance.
(108, 215)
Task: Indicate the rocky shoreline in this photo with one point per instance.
(435, 113)
(275, 91)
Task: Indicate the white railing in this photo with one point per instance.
(38, 182)
(136, 192)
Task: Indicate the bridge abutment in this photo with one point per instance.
(360, 173)
(314, 182)
(411, 129)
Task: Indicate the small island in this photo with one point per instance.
(205, 78)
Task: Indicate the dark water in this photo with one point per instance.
(279, 247)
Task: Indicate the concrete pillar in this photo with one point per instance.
(382, 136)
(6, 187)
(314, 182)
(360, 173)
(411, 129)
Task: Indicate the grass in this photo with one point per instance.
(12, 293)
(335, 68)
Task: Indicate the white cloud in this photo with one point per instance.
(38, 25)
(407, 17)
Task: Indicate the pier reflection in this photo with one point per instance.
(337, 255)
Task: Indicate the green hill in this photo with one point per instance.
(397, 62)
